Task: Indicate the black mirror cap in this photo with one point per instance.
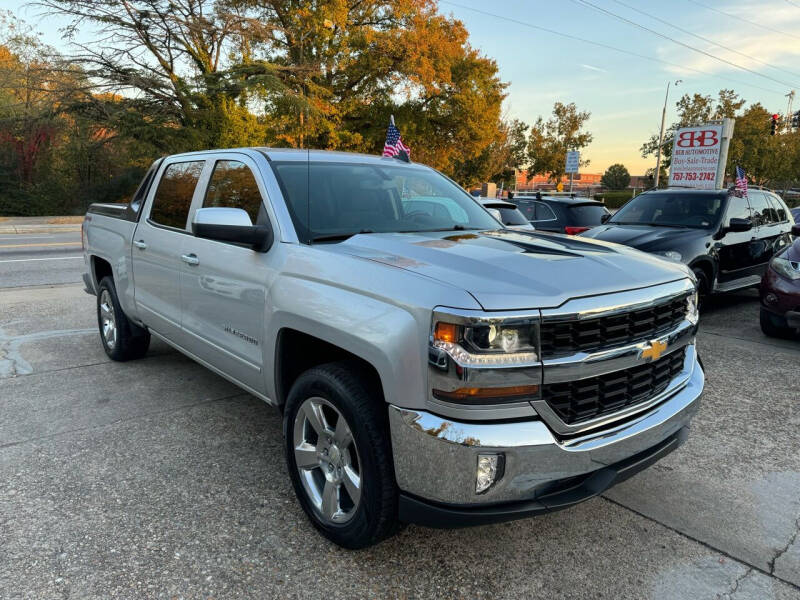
(739, 225)
(796, 230)
(605, 217)
(259, 237)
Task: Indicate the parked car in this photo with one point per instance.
(507, 213)
(561, 214)
(429, 366)
(726, 240)
(780, 292)
(796, 214)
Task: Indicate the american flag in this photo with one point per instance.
(741, 182)
(394, 143)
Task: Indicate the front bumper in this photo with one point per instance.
(435, 459)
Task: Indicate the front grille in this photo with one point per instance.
(602, 333)
(576, 401)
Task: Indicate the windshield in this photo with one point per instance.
(511, 216)
(587, 215)
(671, 209)
(332, 201)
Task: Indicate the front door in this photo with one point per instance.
(224, 291)
(158, 245)
(736, 250)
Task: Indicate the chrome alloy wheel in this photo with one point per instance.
(327, 460)
(108, 321)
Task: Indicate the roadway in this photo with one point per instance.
(157, 478)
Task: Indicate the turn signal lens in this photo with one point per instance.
(487, 395)
(446, 332)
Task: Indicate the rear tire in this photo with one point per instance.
(774, 326)
(122, 339)
(335, 426)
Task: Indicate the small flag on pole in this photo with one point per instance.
(394, 146)
(741, 182)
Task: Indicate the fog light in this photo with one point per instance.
(490, 469)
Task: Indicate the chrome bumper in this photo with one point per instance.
(435, 458)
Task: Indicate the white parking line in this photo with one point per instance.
(50, 258)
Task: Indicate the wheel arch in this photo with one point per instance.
(708, 266)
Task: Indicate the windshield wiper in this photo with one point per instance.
(333, 237)
(453, 228)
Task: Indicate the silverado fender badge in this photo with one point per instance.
(654, 350)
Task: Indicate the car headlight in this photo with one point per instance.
(670, 255)
(787, 268)
(693, 307)
(490, 342)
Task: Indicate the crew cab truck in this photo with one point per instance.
(430, 365)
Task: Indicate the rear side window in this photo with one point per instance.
(762, 213)
(586, 215)
(544, 212)
(233, 185)
(174, 194)
(527, 208)
(778, 207)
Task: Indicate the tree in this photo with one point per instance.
(693, 110)
(550, 140)
(616, 177)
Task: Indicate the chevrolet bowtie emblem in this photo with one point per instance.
(654, 350)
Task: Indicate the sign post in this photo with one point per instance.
(572, 166)
(699, 155)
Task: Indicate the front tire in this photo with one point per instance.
(338, 455)
(122, 340)
(773, 325)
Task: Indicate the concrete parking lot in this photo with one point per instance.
(159, 479)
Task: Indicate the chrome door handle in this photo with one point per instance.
(140, 244)
(190, 259)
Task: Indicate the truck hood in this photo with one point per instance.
(515, 270)
(646, 237)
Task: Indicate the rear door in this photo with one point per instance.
(783, 224)
(767, 230)
(545, 218)
(224, 291)
(158, 246)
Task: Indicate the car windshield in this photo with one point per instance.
(587, 215)
(331, 201)
(509, 215)
(671, 209)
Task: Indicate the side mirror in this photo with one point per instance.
(605, 217)
(740, 225)
(231, 225)
(796, 230)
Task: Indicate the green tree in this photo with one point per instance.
(616, 177)
(550, 140)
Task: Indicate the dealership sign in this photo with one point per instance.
(696, 154)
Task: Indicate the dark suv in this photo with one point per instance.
(561, 214)
(726, 239)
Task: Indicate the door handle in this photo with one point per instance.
(190, 259)
(140, 244)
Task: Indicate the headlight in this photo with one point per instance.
(787, 268)
(489, 342)
(670, 255)
(693, 308)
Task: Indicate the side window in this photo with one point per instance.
(738, 208)
(174, 194)
(778, 208)
(761, 211)
(233, 185)
(544, 212)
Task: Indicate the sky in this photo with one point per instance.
(623, 92)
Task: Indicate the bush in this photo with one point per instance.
(615, 199)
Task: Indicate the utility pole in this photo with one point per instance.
(790, 96)
(661, 135)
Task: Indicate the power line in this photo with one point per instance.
(795, 4)
(738, 18)
(678, 42)
(606, 46)
(705, 39)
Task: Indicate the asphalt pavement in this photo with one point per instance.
(37, 252)
(158, 479)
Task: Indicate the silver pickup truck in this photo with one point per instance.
(431, 366)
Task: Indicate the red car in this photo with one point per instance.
(780, 292)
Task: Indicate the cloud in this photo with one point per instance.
(593, 68)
